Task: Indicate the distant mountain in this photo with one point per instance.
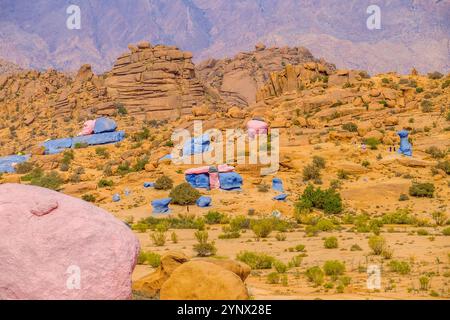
(7, 67)
(413, 32)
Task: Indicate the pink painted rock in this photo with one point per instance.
(53, 246)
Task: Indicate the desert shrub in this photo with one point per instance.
(330, 243)
(239, 223)
(50, 180)
(140, 164)
(281, 236)
(400, 216)
(424, 283)
(228, 233)
(279, 266)
(446, 231)
(102, 152)
(377, 244)
(35, 173)
(80, 145)
(174, 237)
(445, 84)
(319, 162)
(333, 268)
(355, 247)
(403, 197)
(435, 75)
(436, 153)
(64, 167)
(163, 183)
(372, 143)
(439, 217)
(140, 227)
(427, 106)
(24, 167)
(422, 190)
(123, 168)
(273, 278)
(401, 267)
(342, 174)
(315, 275)
(444, 166)
(299, 248)
(419, 90)
(262, 227)
(159, 237)
(121, 110)
(422, 232)
(215, 217)
(263, 187)
(88, 197)
(184, 194)
(203, 247)
(150, 258)
(103, 183)
(295, 262)
(255, 260)
(107, 170)
(350, 126)
(311, 172)
(141, 135)
(327, 200)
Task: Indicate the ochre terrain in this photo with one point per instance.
(318, 110)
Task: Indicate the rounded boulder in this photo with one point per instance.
(53, 246)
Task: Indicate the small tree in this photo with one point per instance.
(203, 247)
(184, 194)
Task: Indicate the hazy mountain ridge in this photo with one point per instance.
(413, 33)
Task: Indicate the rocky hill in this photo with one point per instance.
(237, 79)
(34, 33)
(7, 67)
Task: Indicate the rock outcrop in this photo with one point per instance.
(236, 80)
(54, 246)
(201, 280)
(155, 82)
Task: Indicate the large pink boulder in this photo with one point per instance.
(53, 246)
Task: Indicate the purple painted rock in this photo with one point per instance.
(53, 246)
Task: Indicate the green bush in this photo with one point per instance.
(262, 227)
(311, 172)
(279, 266)
(315, 275)
(34, 174)
(436, 153)
(24, 167)
(124, 168)
(319, 162)
(102, 152)
(121, 110)
(159, 237)
(401, 267)
(444, 166)
(255, 260)
(163, 183)
(333, 268)
(239, 223)
(372, 143)
(50, 180)
(141, 135)
(140, 164)
(400, 216)
(446, 231)
(330, 243)
(203, 247)
(80, 145)
(327, 200)
(377, 244)
(150, 258)
(422, 190)
(350, 126)
(427, 106)
(88, 197)
(215, 217)
(263, 187)
(103, 183)
(184, 194)
(295, 262)
(273, 278)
